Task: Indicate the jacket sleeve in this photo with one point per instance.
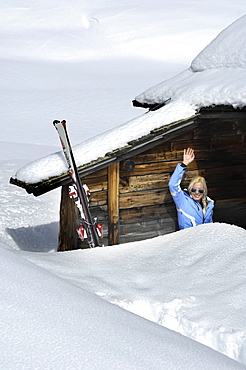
(174, 184)
(209, 213)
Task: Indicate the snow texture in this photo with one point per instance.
(56, 310)
(217, 76)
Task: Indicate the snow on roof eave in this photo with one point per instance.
(133, 147)
(150, 106)
(216, 76)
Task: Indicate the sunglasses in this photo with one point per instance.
(193, 190)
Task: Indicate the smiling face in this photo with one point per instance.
(196, 195)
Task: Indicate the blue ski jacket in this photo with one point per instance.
(189, 211)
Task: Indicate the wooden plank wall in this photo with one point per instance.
(146, 208)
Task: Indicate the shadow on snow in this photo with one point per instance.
(41, 238)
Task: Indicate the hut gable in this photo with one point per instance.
(127, 169)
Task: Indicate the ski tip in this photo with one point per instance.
(56, 121)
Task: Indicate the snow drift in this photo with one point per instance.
(51, 319)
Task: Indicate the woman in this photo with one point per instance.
(194, 208)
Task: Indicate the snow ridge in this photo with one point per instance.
(227, 50)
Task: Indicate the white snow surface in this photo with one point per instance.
(71, 310)
(55, 314)
(227, 50)
(217, 76)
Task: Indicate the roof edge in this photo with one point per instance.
(133, 147)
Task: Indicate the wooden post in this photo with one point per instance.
(68, 237)
(113, 203)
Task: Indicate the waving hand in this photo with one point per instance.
(188, 156)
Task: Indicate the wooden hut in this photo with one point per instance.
(129, 186)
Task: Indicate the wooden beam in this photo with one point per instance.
(68, 238)
(222, 112)
(113, 204)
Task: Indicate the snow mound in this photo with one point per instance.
(217, 76)
(49, 323)
(191, 281)
(226, 50)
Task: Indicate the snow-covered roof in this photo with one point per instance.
(217, 76)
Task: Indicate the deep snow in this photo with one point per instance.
(50, 323)
(217, 76)
(61, 310)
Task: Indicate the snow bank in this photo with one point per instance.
(48, 322)
(191, 281)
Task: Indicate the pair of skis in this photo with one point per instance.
(87, 226)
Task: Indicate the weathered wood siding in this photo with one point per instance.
(146, 208)
(68, 238)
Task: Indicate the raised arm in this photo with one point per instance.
(176, 178)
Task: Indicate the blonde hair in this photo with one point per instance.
(200, 179)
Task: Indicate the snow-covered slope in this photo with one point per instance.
(213, 78)
(50, 319)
